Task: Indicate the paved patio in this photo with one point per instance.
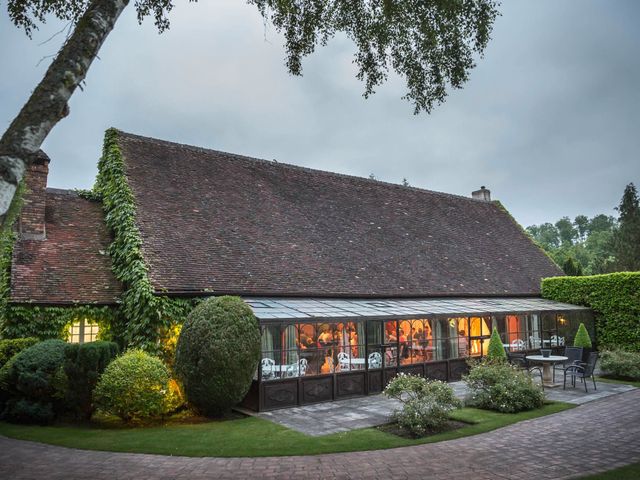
(373, 410)
(605, 432)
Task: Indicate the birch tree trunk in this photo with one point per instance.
(48, 102)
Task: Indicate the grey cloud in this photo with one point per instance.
(548, 120)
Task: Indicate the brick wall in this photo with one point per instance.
(32, 216)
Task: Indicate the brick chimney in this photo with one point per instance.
(483, 194)
(32, 221)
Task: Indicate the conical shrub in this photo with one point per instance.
(582, 337)
(496, 349)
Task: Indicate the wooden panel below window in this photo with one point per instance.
(350, 384)
(437, 371)
(457, 368)
(279, 394)
(316, 389)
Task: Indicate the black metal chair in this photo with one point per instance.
(574, 355)
(520, 360)
(582, 371)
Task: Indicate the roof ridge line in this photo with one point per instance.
(292, 166)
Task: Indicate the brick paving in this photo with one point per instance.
(370, 411)
(600, 435)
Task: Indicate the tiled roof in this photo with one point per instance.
(221, 223)
(71, 264)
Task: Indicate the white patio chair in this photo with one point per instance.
(375, 360)
(535, 342)
(557, 341)
(303, 364)
(517, 344)
(343, 360)
(268, 366)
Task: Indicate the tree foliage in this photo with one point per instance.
(626, 241)
(429, 43)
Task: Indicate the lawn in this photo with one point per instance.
(253, 437)
(630, 472)
(615, 380)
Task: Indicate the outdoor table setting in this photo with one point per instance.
(547, 367)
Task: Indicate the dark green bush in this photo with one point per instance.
(217, 354)
(615, 300)
(13, 346)
(33, 382)
(135, 387)
(83, 365)
(496, 351)
(621, 364)
(502, 387)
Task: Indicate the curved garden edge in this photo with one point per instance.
(254, 437)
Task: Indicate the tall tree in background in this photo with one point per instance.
(626, 241)
(431, 43)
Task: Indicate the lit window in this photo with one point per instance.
(83, 331)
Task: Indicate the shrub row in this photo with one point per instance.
(621, 364)
(615, 300)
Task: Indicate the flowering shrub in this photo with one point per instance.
(620, 363)
(425, 403)
(502, 387)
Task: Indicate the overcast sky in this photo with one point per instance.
(549, 119)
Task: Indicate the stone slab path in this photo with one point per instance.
(373, 410)
(605, 434)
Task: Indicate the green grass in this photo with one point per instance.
(615, 380)
(253, 437)
(630, 472)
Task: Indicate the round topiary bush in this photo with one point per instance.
(135, 387)
(33, 383)
(217, 354)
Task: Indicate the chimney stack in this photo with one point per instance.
(32, 218)
(483, 194)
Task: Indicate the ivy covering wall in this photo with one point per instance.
(142, 318)
(147, 316)
(614, 298)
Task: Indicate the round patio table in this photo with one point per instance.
(547, 367)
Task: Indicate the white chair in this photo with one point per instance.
(375, 360)
(343, 360)
(557, 341)
(303, 364)
(268, 367)
(517, 344)
(535, 342)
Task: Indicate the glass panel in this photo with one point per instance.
(391, 332)
(74, 332)
(549, 329)
(90, 331)
(374, 332)
(517, 333)
(307, 336)
(374, 358)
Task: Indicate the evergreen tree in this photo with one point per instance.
(571, 267)
(582, 337)
(626, 244)
(496, 349)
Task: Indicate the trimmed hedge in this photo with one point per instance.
(217, 354)
(32, 383)
(13, 346)
(83, 365)
(614, 298)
